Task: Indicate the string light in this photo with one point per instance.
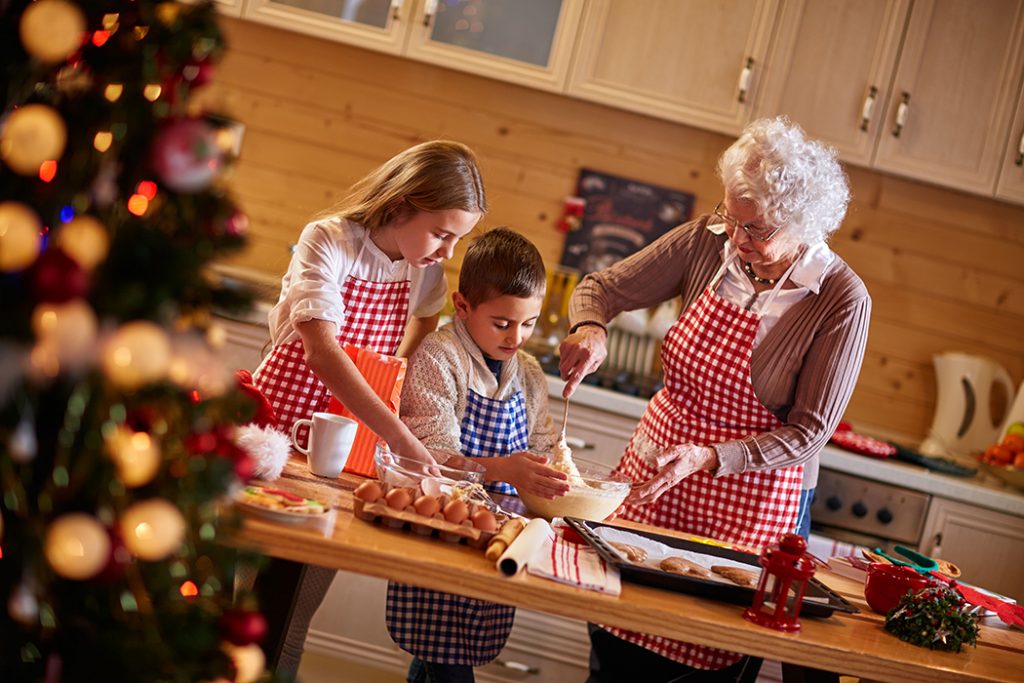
(188, 590)
(47, 170)
(99, 38)
(147, 188)
(113, 92)
(138, 204)
(152, 92)
(102, 141)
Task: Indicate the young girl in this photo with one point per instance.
(355, 277)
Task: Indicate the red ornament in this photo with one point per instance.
(237, 224)
(185, 155)
(243, 627)
(786, 568)
(57, 278)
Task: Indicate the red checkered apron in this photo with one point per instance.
(375, 317)
(708, 398)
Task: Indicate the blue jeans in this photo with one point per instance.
(803, 517)
(427, 672)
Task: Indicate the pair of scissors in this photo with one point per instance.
(913, 559)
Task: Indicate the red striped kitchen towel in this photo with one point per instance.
(572, 563)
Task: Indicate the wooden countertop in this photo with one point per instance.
(849, 644)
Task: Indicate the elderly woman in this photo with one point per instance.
(758, 368)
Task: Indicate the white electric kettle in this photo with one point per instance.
(963, 424)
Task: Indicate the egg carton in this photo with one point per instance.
(408, 518)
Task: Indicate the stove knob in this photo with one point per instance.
(859, 509)
(884, 515)
(834, 503)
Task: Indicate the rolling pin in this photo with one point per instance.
(503, 539)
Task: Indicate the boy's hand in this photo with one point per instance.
(529, 472)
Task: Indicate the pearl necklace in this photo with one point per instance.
(756, 278)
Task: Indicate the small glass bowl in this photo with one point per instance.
(599, 492)
(395, 470)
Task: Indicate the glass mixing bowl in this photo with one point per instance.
(433, 479)
(595, 495)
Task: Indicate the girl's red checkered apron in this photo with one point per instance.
(708, 398)
(449, 629)
(375, 317)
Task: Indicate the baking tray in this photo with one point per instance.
(819, 599)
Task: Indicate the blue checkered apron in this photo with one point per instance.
(443, 628)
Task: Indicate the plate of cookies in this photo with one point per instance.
(712, 571)
(278, 504)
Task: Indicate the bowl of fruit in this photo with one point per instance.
(1005, 459)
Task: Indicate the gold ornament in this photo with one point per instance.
(67, 332)
(32, 134)
(77, 546)
(152, 529)
(84, 239)
(50, 30)
(137, 354)
(19, 236)
(136, 455)
(249, 661)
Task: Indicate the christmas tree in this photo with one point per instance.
(116, 420)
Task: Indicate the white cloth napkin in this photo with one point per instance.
(575, 564)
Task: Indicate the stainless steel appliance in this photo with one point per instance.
(861, 511)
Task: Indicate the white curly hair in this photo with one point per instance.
(794, 182)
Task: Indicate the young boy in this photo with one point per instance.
(471, 391)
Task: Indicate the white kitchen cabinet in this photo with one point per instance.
(231, 8)
(690, 61)
(245, 341)
(953, 93)
(1011, 178)
(988, 546)
(521, 41)
(830, 66)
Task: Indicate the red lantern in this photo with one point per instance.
(786, 568)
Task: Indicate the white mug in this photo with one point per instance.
(330, 440)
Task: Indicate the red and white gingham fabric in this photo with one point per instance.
(375, 317)
(708, 398)
(865, 445)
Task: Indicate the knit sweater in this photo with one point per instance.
(804, 370)
(445, 367)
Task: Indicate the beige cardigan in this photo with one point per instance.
(804, 370)
(445, 366)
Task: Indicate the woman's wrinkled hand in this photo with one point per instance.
(529, 472)
(580, 354)
(674, 464)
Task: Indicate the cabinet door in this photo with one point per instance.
(373, 24)
(1011, 178)
(523, 41)
(951, 104)
(830, 67)
(988, 546)
(691, 61)
(232, 8)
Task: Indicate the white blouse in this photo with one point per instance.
(329, 251)
(806, 275)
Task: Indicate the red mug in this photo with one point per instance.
(887, 583)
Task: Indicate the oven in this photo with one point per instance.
(854, 511)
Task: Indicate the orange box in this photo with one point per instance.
(385, 375)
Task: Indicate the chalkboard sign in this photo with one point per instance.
(620, 217)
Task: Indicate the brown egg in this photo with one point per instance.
(398, 498)
(427, 506)
(484, 520)
(368, 491)
(456, 511)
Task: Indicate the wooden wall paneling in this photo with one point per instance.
(888, 415)
(892, 338)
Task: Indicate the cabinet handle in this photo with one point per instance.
(1020, 151)
(428, 12)
(865, 111)
(901, 114)
(578, 444)
(518, 666)
(396, 9)
(744, 84)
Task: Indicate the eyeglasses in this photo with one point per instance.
(755, 231)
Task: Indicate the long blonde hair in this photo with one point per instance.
(431, 176)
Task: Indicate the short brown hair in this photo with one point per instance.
(431, 176)
(501, 262)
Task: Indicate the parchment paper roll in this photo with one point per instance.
(522, 549)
